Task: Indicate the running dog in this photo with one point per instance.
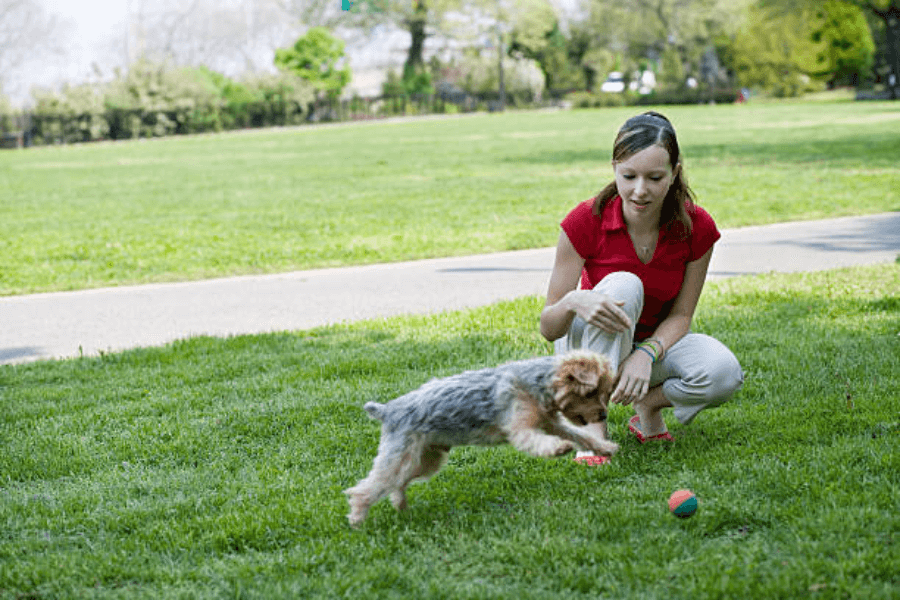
(537, 405)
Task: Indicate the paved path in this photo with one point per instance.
(57, 325)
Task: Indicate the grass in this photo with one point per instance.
(188, 208)
(213, 468)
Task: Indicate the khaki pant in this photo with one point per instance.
(697, 372)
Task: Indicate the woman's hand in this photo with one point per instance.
(602, 312)
(633, 379)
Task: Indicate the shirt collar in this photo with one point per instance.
(612, 215)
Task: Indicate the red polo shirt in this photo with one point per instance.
(604, 244)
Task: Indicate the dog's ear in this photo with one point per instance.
(585, 375)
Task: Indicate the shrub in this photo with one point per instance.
(154, 100)
(599, 99)
(76, 114)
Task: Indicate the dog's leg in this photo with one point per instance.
(537, 443)
(385, 477)
(524, 433)
(584, 437)
(431, 460)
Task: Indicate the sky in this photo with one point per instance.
(94, 24)
(89, 30)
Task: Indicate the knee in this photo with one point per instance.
(725, 378)
(628, 284)
(706, 370)
(624, 287)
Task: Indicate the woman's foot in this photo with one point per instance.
(634, 426)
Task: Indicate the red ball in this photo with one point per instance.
(683, 503)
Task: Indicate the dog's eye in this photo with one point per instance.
(579, 420)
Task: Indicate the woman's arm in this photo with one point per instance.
(678, 323)
(564, 300)
(634, 373)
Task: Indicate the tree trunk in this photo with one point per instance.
(416, 26)
(891, 17)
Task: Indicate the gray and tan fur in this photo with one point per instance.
(531, 404)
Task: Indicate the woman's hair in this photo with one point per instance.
(637, 134)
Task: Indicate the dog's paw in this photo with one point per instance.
(607, 448)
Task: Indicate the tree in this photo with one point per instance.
(775, 51)
(519, 28)
(672, 33)
(315, 57)
(421, 18)
(886, 12)
(848, 49)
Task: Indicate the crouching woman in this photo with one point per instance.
(630, 265)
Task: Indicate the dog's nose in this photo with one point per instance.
(602, 416)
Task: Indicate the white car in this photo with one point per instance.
(614, 83)
(641, 82)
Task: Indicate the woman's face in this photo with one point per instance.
(643, 180)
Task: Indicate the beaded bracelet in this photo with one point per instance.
(660, 352)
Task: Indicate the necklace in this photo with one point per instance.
(643, 250)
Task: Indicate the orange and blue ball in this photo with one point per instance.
(683, 503)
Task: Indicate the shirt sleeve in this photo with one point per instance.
(704, 233)
(578, 227)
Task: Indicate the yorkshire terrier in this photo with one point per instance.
(538, 405)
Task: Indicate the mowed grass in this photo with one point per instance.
(213, 468)
(266, 201)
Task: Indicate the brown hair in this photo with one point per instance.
(637, 134)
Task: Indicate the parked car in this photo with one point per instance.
(615, 82)
(641, 82)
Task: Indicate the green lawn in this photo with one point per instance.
(265, 201)
(214, 468)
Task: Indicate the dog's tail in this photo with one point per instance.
(375, 410)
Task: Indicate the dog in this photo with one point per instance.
(537, 405)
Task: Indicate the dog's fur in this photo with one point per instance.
(532, 404)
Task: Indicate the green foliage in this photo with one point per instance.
(213, 468)
(600, 99)
(314, 57)
(75, 114)
(849, 50)
(182, 99)
(416, 81)
(480, 74)
(774, 51)
(154, 100)
(668, 37)
(393, 84)
(559, 57)
(672, 73)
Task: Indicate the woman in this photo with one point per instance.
(630, 266)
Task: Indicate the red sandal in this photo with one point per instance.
(634, 426)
